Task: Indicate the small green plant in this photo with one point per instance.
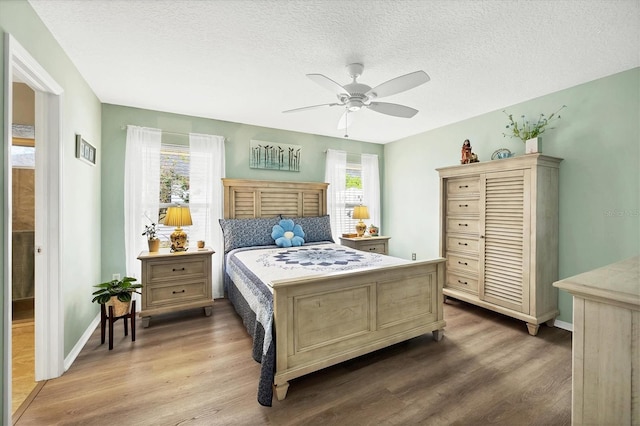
(526, 129)
(122, 289)
(151, 231)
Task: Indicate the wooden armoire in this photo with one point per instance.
(499, 234)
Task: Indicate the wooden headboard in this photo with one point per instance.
(247, 198)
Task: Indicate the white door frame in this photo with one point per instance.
(49, 330)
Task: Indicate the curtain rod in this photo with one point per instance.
(351, 153)
(124, 127)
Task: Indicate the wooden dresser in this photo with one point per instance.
(175, 281)
(499, 234)
(378, 245)
(606, 344)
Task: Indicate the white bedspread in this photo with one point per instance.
(296, 262)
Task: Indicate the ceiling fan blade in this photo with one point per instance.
(346, 120)
(329, 84)
(398, 84)
(311, 107)
(393, 109)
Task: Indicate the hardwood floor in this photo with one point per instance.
(23, 377)
(23, 381)
(190, 369)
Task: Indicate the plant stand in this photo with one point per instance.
(111, 319)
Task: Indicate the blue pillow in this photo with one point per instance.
(316, 228)
(287, 234)
(247, 232)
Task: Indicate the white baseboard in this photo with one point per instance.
(563, 325)
(81, 342)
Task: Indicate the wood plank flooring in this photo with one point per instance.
(188, 369)
(23, 376)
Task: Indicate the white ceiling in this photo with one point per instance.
(245, 61)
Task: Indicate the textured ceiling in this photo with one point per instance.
(245, 61)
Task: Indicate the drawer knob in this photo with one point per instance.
(463, 186)
(463, 205)
(178, 292)
(462, 244)
(463, 224)
(463, 263)
(372, 249)
(176, 269)
(462, 282)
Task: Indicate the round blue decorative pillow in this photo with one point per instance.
(287, 234)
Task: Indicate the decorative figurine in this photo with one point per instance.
(466, 152)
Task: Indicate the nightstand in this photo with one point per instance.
(371, 244)
(175, 282)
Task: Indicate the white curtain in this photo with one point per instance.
(141, 191)
(336, 175)
(206, 170)
(371, 187)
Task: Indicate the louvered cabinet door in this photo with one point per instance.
(504, 239)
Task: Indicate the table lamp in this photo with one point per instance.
(360, 212)
(178, 216)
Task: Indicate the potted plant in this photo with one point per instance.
(529, 131)
(116, 293)
(151, 231)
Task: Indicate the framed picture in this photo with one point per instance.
(85, 151)
(275, 156)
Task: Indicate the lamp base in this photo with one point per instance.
(360, 228)
(178, 240)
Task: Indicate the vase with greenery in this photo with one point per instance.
(151, 231)
(116, 293)
(527, 130)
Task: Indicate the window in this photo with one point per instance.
(353, 179)
(23, 156)
(174, 184)
(351, 197)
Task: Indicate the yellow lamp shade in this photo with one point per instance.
(178, 216)
(360, 212)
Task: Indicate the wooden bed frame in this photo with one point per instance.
(323, 320)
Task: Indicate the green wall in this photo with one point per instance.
(80, 191)
(115, 118)
(598, 137)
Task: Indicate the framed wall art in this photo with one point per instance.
(275, 156)
(85, 151)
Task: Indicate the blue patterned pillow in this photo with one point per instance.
(316, 228)
(247, 232)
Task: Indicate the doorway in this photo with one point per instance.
(48, 336)
(23, 160)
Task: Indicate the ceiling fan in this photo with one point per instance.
(355, 96)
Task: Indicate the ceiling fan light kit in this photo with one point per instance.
(355, 96)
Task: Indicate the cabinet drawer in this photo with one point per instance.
(467, 245)
(463, 264)
(176, 269)
(462, 282)
(373, 247)
(467, 226)
(175, 293)
(463, 206)
(465, 186)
